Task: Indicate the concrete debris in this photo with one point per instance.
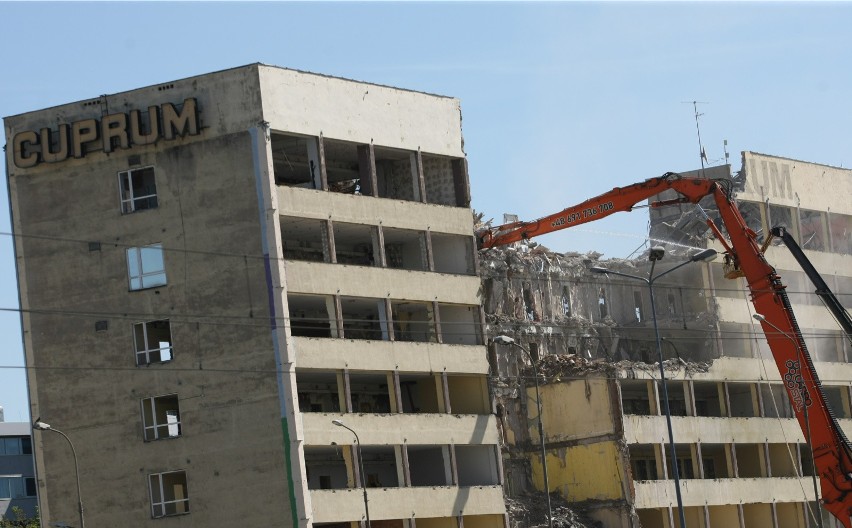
(529, 510)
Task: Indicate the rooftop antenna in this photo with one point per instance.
(701, 153)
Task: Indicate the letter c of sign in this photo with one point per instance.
(24, 160)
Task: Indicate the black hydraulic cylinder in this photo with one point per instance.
(822, 289)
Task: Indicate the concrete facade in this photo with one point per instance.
(17, 472)
(215, 268)
(743, 459)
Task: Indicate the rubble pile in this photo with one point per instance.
(529, 510)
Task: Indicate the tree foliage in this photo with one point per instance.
(19, 519)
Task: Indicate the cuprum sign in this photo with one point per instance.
(112, 131)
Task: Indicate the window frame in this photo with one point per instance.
(134, 254)
(162, 504)
(22, 487)
(147, 349)
(128, 205)
(154, 427)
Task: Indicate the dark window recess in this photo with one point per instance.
(602, 304)
(101, 326)
(637, 306)
(138, 190)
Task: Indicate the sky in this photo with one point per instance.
(560, 101)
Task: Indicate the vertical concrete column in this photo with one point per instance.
(344, 392)
(727, 395)
(387, 321)
(419, 179)
(367, 170)
(766, 466)
(722, 392)
(460, 519)
(428, 249)
(654, 397)
(707, 517)
(757, 399)
(335, 314)
(741, 515)
(329, 251)
(379, 258)
(445, 384)
(454, 470)
(403, 473)
(669, 518)
(436, 322)
(323, 175)
(689, 398)
(461, 183)
(660, 459)
(697, 462)
(773, 509)
(735, 466)
(395, 392)
(439, 392)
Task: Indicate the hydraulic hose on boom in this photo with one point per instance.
(822, 290)
(743, 255)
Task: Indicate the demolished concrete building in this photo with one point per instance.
(740, 454)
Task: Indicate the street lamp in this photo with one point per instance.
(657, 253)
(762, 319)
(506, 340)
(41, 426)
(361, 467)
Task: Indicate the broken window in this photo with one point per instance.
(566, 301)
(844, 291)
(743, 400)
(396, 174)
(840, 231)
(782, 216)
(354, 244)
(602, 304)
(637, 306)
(146, 267)
(813, 230)
(776, 403)
(342, 166)
(312, 315)
(530, 311)
(296, 161)
(708, 400)
(453, 253)
(438, 179)
(460, 324)
(419, 393)
(363, 318)
(635, 398)
(837, 398)
(326, 467)
(168, 494)
(468, 394)
(160, 417)
(369, 393)
(153, 342)
(429, 465)
(405, 249)
(677, 398)
(413, 321)
(685, 469)
(715, 461)
(477, 465)
(137, 189)
(380, 466)
(317, 391)
(750, 461)
(643, 462)
(782, 460)
(753, 214)
(304, 239)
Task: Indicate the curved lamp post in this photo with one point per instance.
(361, 467)
(41, 426)
(762, 319)
(506, 340)
(657, 253)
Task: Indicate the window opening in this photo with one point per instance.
(312, 316)
(295, 161)
(17, 487)
(153, 342)
(602, 303)
(161, 417)
(637, 306)
(566, 301)
(317, 391)
(138, 190)
(168, 494)
(146, 267)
